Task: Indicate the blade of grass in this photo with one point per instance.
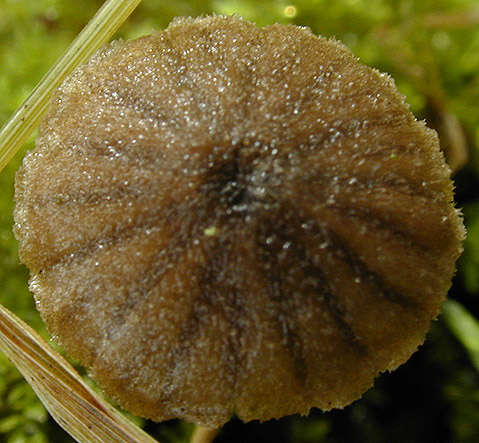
(464, 326)
(84, 414)
(95, 34)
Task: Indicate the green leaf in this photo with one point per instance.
(464, 326)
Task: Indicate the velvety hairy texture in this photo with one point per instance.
(222, 219)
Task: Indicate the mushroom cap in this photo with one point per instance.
(224, 219)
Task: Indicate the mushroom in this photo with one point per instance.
(223, 219)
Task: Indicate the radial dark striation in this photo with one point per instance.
(221, 219)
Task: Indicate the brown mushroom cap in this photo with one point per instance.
(221, 219)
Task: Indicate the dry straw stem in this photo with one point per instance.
(100, 29)
(74, 405)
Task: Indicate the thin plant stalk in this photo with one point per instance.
(84, 414)
(202, 434)
(95, 34)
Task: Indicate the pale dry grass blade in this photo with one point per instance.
(85, 415)
(98, 31)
